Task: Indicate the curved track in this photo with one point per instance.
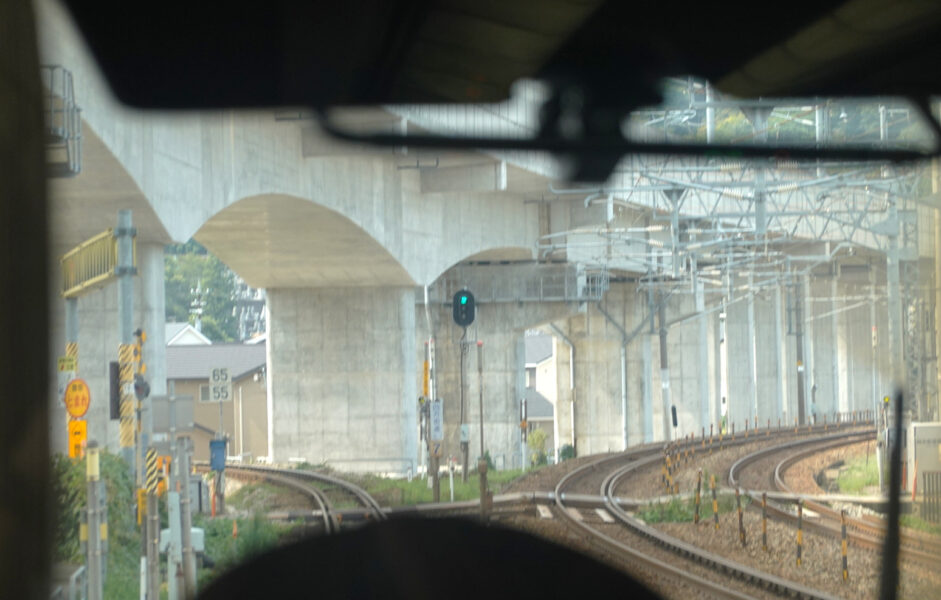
(863, 533)
(641, 552)
(301, 481)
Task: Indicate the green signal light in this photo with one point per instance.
(463, 299)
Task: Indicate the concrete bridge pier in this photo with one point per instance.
(342, 364)
(618, 396)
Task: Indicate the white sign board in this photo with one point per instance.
(437, 421)
(465, 432)
(220, 385)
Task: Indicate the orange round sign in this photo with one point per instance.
(77, 398)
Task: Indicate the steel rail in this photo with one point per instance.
(741, 572)
(330, 523)
(638, 460)
(864, 533)
(361, 495)
(608, 544)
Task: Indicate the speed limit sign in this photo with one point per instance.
(220, 385)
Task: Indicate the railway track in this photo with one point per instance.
(302, 481)
(642, 549)
(861, 532)
(628, 539)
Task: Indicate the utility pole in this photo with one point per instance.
(93, 556)
(485, 498)
(664, 371)
(435, 440)
(465, 443)
(434, 431)
(144, 434)
(152, 528)
(189, 558)
(463, 311)
(796, 323)
(125, 234)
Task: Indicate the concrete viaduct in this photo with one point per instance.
(349, 242)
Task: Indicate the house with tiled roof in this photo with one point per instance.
(244, 417)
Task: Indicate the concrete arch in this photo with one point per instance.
(87, 204)
(502, 254)
(490, 255)
(283, 241)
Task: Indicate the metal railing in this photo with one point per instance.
(523, 283)
(63, 122)
(91, 263)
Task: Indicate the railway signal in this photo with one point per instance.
(463, 308)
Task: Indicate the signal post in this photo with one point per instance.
(99, 260)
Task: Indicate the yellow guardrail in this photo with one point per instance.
(91, 263)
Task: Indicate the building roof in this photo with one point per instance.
(538, 348)
(183, 334)
(195, 362)
(537, 406)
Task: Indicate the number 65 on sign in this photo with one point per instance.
(220, 385)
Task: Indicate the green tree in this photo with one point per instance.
(537, 446)
(190, 267)
(536, 440)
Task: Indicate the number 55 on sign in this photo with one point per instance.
(220, 385)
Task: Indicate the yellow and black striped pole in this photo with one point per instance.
(764, 521)
(71, 350)
(846, 572)
(800, 529)
(126, 361)
(698, 496)
(715, 501)
(153, 474)
(738, 507)
(151, 553)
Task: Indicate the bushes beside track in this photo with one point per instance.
(683, 510)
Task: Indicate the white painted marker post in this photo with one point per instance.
(451, 475)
